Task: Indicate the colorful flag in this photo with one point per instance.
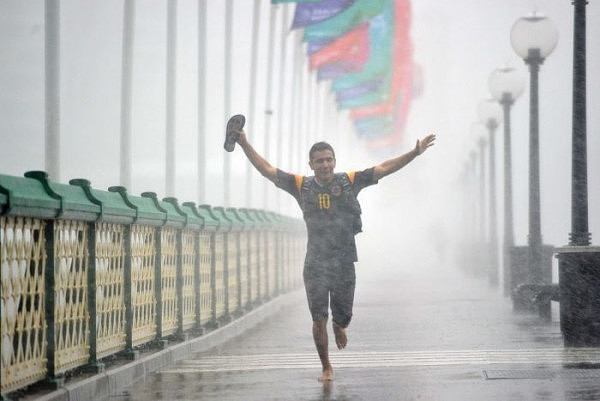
(314, 12)
(380, 55)
(366, 99)
(353, 45)
(344, 21)
(372, 121)
(373, 110)
(339, 69)
(294, 1)
(373, 124)
(360, 90)
(317, 45)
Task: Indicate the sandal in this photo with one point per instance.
(234, 124)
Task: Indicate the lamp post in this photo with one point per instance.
(533, 38)
(471, 193)
(580, 235)
(478, 133)
(470, 256)
(506, 85)
(490, 115)
(579, 276)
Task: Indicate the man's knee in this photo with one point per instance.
(342, 321)
(320, 320)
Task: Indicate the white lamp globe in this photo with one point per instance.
(506, 82)
(534, 36)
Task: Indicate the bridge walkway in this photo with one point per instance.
(424, 334)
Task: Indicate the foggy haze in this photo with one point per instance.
(458, 44)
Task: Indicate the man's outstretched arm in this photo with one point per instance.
(392, 165)
(259, 162)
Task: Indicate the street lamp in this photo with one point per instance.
(473, 203)
(580, 235)
(533, 38)
(490, 115)
(579, 276)
(478, 133)
(506, 85)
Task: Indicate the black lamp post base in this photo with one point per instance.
(579, 284)
(526, 285)
(580, 239)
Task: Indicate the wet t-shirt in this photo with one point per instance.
(330, 224)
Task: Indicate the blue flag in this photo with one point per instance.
(312, 13)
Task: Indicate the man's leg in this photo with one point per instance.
(342, 301)
(319, 330)
(317, 295)
(341, 339)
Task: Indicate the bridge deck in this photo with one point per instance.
(419, 335)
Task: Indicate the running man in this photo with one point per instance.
(332, 215)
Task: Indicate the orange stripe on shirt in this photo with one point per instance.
(351, 177)
(299, 179)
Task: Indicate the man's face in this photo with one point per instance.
(322, 164)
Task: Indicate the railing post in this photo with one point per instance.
(179, 282)
(50, 304)
(127, 282)
(249, 268)
(197, 298)
(213, 279)
(93, 365)
(238, 269)
(158, 282)
(277, 265)
(227, 314)
(267, 266)
(259, 295)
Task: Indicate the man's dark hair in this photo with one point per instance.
(317, 147)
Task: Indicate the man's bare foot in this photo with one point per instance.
(340, 336)
(327, 375)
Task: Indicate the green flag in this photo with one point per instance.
(365, 100)
(379, 64)
(341, 23)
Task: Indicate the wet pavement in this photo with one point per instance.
(421, 334)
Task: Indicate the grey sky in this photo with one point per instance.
(458, 44)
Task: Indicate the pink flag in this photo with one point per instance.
(353, 45)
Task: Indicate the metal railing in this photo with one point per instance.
(87, 274)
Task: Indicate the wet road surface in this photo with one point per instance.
(418, 335)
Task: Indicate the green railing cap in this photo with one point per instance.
(74, 203)
(146, 212)
(176, 216)
(261, 223)
(22, 196)
(172, 218)
(211, 222)
(237, 221)
(112, 207)
(269, 222)
(240, 218)
(247, 217)
(194, 219)
(226, 223)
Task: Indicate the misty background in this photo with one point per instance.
(411, 219)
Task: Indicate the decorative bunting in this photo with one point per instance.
(294, 1)
(360, 90)
(353, 45)
(309, 13)
(342, 22)
(364, 47)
